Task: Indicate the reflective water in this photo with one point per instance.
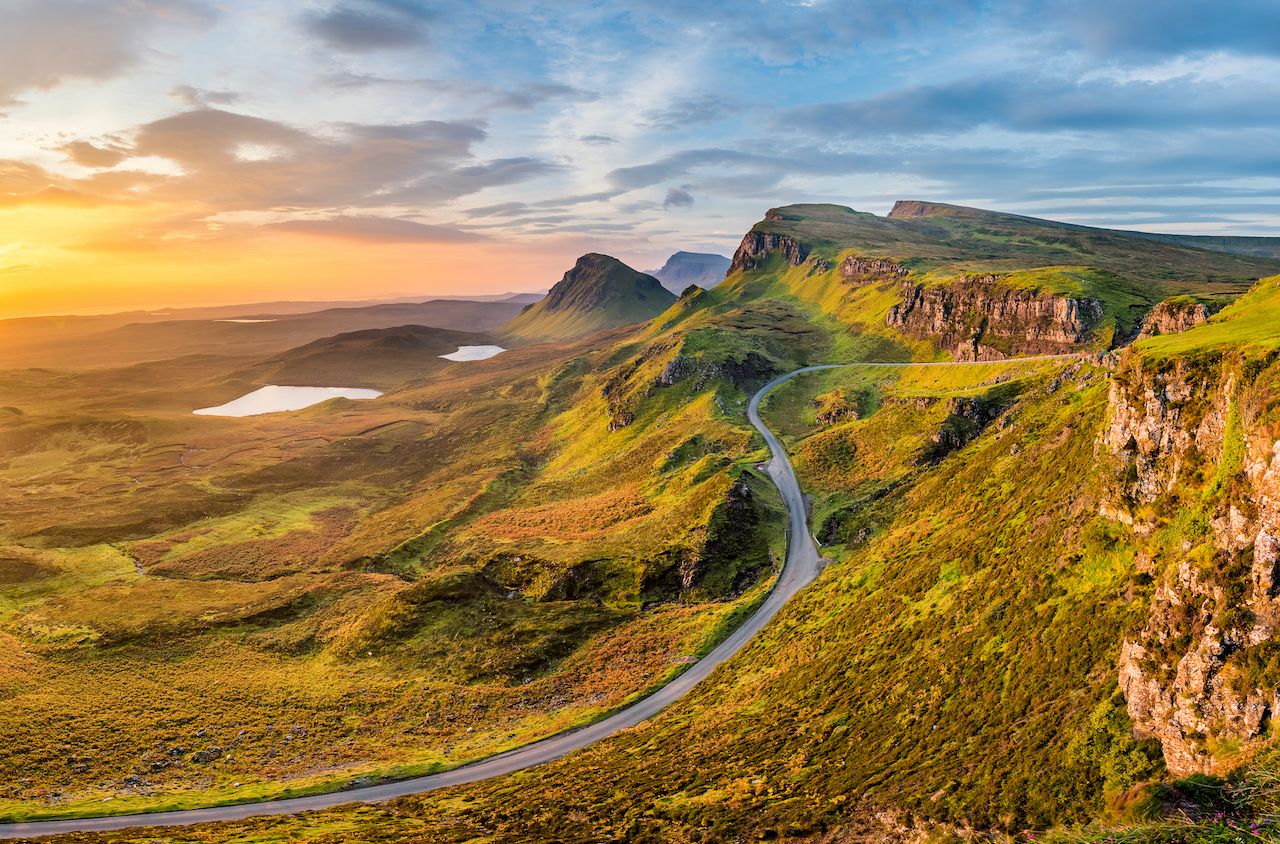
(275, 399)
(474, 353)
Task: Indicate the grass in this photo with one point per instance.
(395, 586)
(1247, 324)
(538, 539)
(953, 665)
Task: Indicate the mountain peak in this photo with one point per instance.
(598, 292)
(705, 269)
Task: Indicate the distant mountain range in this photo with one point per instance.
(682, 269)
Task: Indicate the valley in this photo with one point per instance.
(1037, 460)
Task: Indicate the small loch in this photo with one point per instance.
(474, 353)
(275, 399)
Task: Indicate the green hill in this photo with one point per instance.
(1049, 597)
(599, 292)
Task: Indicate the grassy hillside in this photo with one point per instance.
(295, 601)
(516, 545)
(1166, 267)
(949, 667)
(599, 292)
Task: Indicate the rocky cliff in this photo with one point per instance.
(1173, 316)
(1198, 439)
(981, 318)
(856, 269)
(757, 246)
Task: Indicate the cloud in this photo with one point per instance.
(199, 97)
(598, 140)
(677, 197)
(1122, 27)
(28, 184)
(232, 164)
(373, 229)
(467, 180)
(502, 209)
(45, 43)
(744, 168)
(52, 195)
(524, 96)
(1023, 104)
(803, 31)
(89, 155)
(689, 111)
(234, 161)
(369, 25)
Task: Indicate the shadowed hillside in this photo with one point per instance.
(77, 343)
(376, 357)
(599, 292)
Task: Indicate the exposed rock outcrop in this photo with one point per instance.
(1173, 316)
(751, 369)
(980, 318)
(835, 407)
(1159, 420)
(858, 270)
(1195, 675)
(757, 246)
(967, 417)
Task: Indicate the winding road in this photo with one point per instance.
(801, 566)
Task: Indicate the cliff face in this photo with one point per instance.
(757, 246)
(858, 270)
(1199, 674)
(1173, 317)
(978, 318)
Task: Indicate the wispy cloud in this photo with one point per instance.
(363, 26)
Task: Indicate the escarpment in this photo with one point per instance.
(757, 246)
(1198, 445)
(979, 318)
(1173, 316)
(856, 269)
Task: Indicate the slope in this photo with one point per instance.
(599, 292)
(951, 669)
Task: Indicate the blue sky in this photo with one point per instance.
(546, 130)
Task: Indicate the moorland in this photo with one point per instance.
(1049, 604)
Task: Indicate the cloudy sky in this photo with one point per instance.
(171, 152)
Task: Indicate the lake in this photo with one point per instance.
(474, 353)
(275, 399)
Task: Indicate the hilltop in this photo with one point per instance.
(705, 269)
(979, 284)
(599, 292)
(931, 236)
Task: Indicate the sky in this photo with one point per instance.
(159, 153)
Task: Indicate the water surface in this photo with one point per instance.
(273, 399)
(474, 353)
